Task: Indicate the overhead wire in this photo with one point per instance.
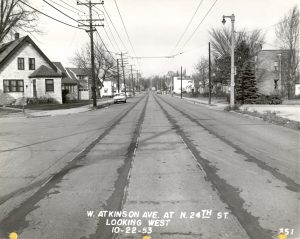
(188, 25)
(110, 52)
(113, 37)
(64, 7)
(193, 33)
(113, 45)
(72, 6)
(115, 28)
(123, 23)
(61, 12)
(67, 24)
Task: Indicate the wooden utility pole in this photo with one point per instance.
(91, 30)
(209, 75)
(132, 80)
(137, 81)
(123, 72)
(181, 82)
(118, 75)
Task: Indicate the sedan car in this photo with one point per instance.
(120, 97)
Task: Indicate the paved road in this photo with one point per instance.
(155, 166)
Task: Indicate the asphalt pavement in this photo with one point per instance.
(156, 166)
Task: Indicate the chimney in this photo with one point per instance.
(17, 36)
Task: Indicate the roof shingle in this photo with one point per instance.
(44, 71)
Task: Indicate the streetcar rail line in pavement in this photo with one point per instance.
(17, 215)
(290, 183)
(228, 194)
(118, 197)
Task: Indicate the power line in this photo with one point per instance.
(188, 25)
(110, 52)
(113, 37)
(61, 11)
(72, 7)
(198, 25)
(124, 27)
(115, 28)
(109, 39)
(145, 57)
(50, 16)
(108, 35)
(64, 7)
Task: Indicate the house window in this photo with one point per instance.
(49, 85)
(21, 63)
(31, 63)
(13, 85)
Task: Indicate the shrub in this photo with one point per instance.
(269, 99)
(41, 100)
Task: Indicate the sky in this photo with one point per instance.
(154, 27)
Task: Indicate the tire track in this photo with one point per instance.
(116, 200)
(228, 194)
(16, 219)
(290, 183)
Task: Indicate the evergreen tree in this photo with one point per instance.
(242, 57)
(246, 85)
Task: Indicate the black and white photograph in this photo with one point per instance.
(149, 119)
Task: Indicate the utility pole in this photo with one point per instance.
(91, 31)
(164, 83)
(209, 75)
(181, 82)
(118, 75)
(123, 72)
(132, 80)
(137, 81)
(232, 71)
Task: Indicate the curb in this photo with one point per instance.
(190, 100)
(291, 124)
(31, 114)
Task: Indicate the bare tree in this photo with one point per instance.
(287, 33)
(221, 41)
(201, 74)
(15, 16)
(104, 63)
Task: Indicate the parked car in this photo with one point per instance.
(158, 92)
(120, 97)
(129, 94)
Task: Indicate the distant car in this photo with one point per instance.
(158, 92)
(129, 94)
(120, 97)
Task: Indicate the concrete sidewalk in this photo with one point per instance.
(215, 103)
(44, 113)
(287, 110)
(291, 112)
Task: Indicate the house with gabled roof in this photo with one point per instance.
(26, 72)
(69, 84)
(83, 77)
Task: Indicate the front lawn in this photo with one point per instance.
(52, 106)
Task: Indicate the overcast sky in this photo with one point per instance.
(154, 27)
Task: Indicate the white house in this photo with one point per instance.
(187, 84)
(26, 72)
(83, 77)
(69, 85)
(108, 89)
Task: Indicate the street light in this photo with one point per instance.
(232, 18)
